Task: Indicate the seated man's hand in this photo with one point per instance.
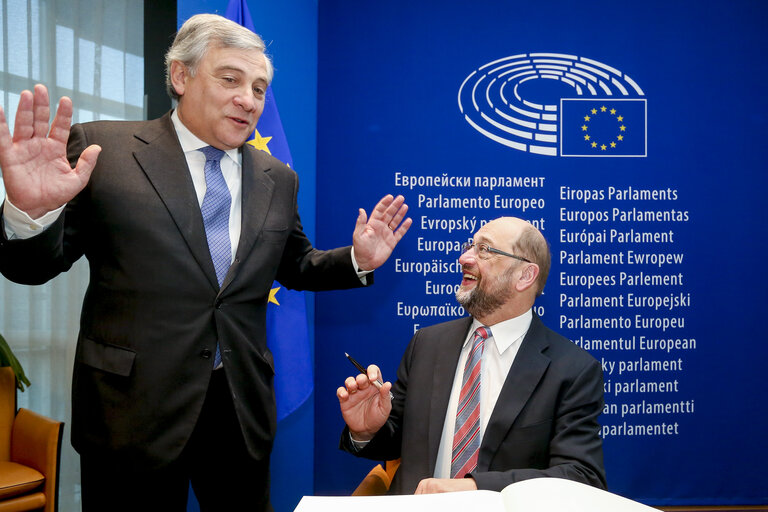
(365, 408)
(435, 485)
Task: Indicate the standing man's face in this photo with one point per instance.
(222, 102)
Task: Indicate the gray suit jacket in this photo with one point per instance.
(544, 423)
(153, 311)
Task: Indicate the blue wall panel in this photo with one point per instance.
(412, 91)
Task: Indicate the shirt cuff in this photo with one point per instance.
(360, 273)
(20, 225)
(357, 445)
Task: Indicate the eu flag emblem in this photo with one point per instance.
(603, 127)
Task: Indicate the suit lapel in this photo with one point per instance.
(446, 359)
(163, 162)
(257, 197)
(525, 374)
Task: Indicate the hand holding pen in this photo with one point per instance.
(365, 402)
(378, 382)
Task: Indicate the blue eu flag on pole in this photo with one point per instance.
(287, 335)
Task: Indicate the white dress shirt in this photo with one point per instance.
(498, 355)
(231, 164)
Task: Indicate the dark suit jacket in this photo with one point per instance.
(153, 311)
(544, 423)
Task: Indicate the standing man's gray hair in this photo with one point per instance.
(202, 31)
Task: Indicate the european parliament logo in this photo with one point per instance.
(556, 105)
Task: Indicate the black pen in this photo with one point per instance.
(378, 383)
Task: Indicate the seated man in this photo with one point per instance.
(484, 401)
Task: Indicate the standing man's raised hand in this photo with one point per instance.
(36, 173)
(375, 238)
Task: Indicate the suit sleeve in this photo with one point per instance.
(303, 267)
(40, 258)
(575, 450)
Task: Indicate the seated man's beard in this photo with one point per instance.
(481, 302)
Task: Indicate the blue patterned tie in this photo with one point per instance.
(215, 210)
(466, 436)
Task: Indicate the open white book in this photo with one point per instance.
(535, 495)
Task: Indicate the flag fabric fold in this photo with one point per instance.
(287, 334)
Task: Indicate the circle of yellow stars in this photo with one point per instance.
(596, 144)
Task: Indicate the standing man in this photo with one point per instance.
(489, 400)
(185, 228)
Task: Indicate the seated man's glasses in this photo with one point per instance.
(485, 251)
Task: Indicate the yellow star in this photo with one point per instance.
(583, 127)
(594, 144)
(613, 111)
(603, 109)
(586, 118)
(586, 137)
(623, 128)
(620, 137)
(594, 111)
(620, 119)
(613, 144)
(272, 294)
(603, 146)
(260, 142)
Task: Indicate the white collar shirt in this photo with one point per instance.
(498, 355)
(230, 167)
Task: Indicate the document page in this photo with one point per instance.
(558, 495)
(535, 495)
(486, 501)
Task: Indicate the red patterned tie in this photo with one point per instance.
(466, 437)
